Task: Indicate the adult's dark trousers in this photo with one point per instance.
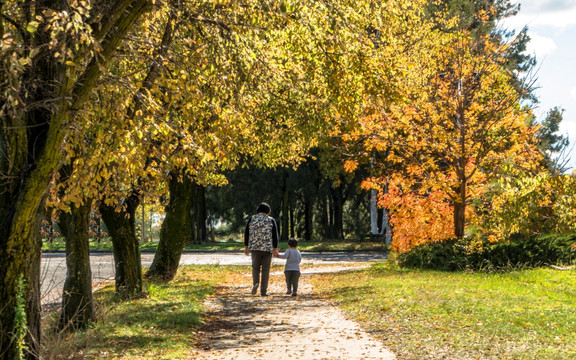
(261, 261)
(292, 277)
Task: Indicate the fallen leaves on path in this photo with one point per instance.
(307, 327)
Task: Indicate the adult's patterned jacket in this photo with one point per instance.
(261, 233)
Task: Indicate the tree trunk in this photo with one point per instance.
(323, 221)
(122, 229)
(331, 233)
(459, 219)
(143, 226)
(176, 229)
(308, 218)
(374, 212)
(460, 212)
(20, 249)
(201, 233)
(338, 210)
(33, 303)
(386, 228)
(284, 228)
(77, 306)
(31, 149)
(292, 221)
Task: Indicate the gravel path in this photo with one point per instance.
(278, 327)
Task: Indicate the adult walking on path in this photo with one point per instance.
(282, 327)
(261, 241)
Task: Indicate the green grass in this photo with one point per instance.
(235, 245)
(160, 326)
(338, 246)
(528, 314)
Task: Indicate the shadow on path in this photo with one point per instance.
(307, 327)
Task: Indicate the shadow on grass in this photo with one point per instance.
(162, 323)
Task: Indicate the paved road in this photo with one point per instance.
(102, 264)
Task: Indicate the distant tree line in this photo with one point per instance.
(307, 204)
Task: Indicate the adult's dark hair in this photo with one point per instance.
(263, 208)
(293, 243)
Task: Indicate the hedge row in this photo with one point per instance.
(462, 254)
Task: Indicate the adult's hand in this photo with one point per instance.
(275, 252)
(246, 250)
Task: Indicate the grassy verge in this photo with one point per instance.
(528, 314)
(106, 245)
(161, 326)
(338, 246)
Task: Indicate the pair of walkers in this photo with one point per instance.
(261, 241)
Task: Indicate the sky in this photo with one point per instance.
(552, 29)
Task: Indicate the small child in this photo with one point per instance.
(292, 268)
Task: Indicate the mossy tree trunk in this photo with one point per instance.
(33, 303)
(122, 229)
(31, 139)
(77, 306)
(176, 228)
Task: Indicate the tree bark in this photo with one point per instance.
(308, 218)
(33, 303)
(460, 212)
(31, 150)
(200, 233)
(292, 221)
(176, 229)
(77, 306)
(323, 220)
(285, 227)
(338, 210)
(122, 229)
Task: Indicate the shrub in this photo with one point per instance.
(481, 255)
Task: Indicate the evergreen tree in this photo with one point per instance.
(553, 145)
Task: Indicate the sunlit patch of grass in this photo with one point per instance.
(161, 325)
(527, 314)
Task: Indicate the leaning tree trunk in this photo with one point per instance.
(30, 153)
(33, 303)
(20, 251)
(176, 229)
(122, 229)
(77, 307)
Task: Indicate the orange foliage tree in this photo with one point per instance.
(459, 120)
